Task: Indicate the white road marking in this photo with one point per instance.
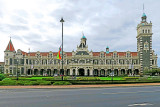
(142, 104)
(133, 92)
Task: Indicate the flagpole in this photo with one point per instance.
(62, 46)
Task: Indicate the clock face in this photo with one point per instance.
(146, 45)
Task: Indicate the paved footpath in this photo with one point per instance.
(82, 86)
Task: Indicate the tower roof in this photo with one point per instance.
(83, 37)
(143, 15)
(10, 47)
(107, 47)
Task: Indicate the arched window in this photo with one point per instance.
(148, 31)
(145, 31)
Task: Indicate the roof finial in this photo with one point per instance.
(82, 33)
(28, 50)
(143, 7)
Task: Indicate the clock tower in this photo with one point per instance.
(144, 43)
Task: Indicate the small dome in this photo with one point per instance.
(144, 15)
(83, 37)
(107, 47)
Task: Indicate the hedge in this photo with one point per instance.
(62, 83)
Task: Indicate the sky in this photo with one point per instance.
(35, 24)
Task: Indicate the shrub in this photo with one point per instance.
(20, 82)
(31, 83)
(41, 82)
(1, 77)
(8, 82)
(7, 79)
(62, 83)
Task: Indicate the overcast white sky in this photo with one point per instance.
(35, 24)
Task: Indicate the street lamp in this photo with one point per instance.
(62, 45)
(17, 68)
(112, 68)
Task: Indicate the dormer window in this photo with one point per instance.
(128, 55)
(38, 55)
(114, 55)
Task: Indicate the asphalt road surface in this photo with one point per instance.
(146, 96)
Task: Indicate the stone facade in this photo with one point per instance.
(83, 62)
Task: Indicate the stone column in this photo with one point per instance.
(85, 72)
(76, 72)
(119, 72)
(91, 72)
(71, 72)
(38, 71)
(52, 72)
(106, 73)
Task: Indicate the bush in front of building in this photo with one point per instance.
(7, 82)
(2, 77)
(31, 83)
(62, 83)
(42, 82)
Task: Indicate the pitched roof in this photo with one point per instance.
(1, 63)
(134, 53)
(69, 53)
(121, 53)
(96, 53)
(10, 47)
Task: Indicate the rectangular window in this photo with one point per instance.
(26, 61)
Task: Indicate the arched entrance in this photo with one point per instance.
(88, 72)
(29, 72)
(95, 72)
(42, 72)
(55, 72)
(61, 71)
(116, 72)
(81, 72)
(122, 71)
(102, 72)
(136, 72)
(35, 71)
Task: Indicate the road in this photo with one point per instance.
(82, 97)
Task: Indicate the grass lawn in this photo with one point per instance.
(110, 78)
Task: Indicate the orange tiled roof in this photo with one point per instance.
(32, 53)
(69, 53)
(109, 54)
(1, 63)
(121, 53)
(44, 53)
(134, 53)
(96, 53)
(10, 47)
(55, 53)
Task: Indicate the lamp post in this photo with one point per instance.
(112, 68)
(62, 45)
(17, 68)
